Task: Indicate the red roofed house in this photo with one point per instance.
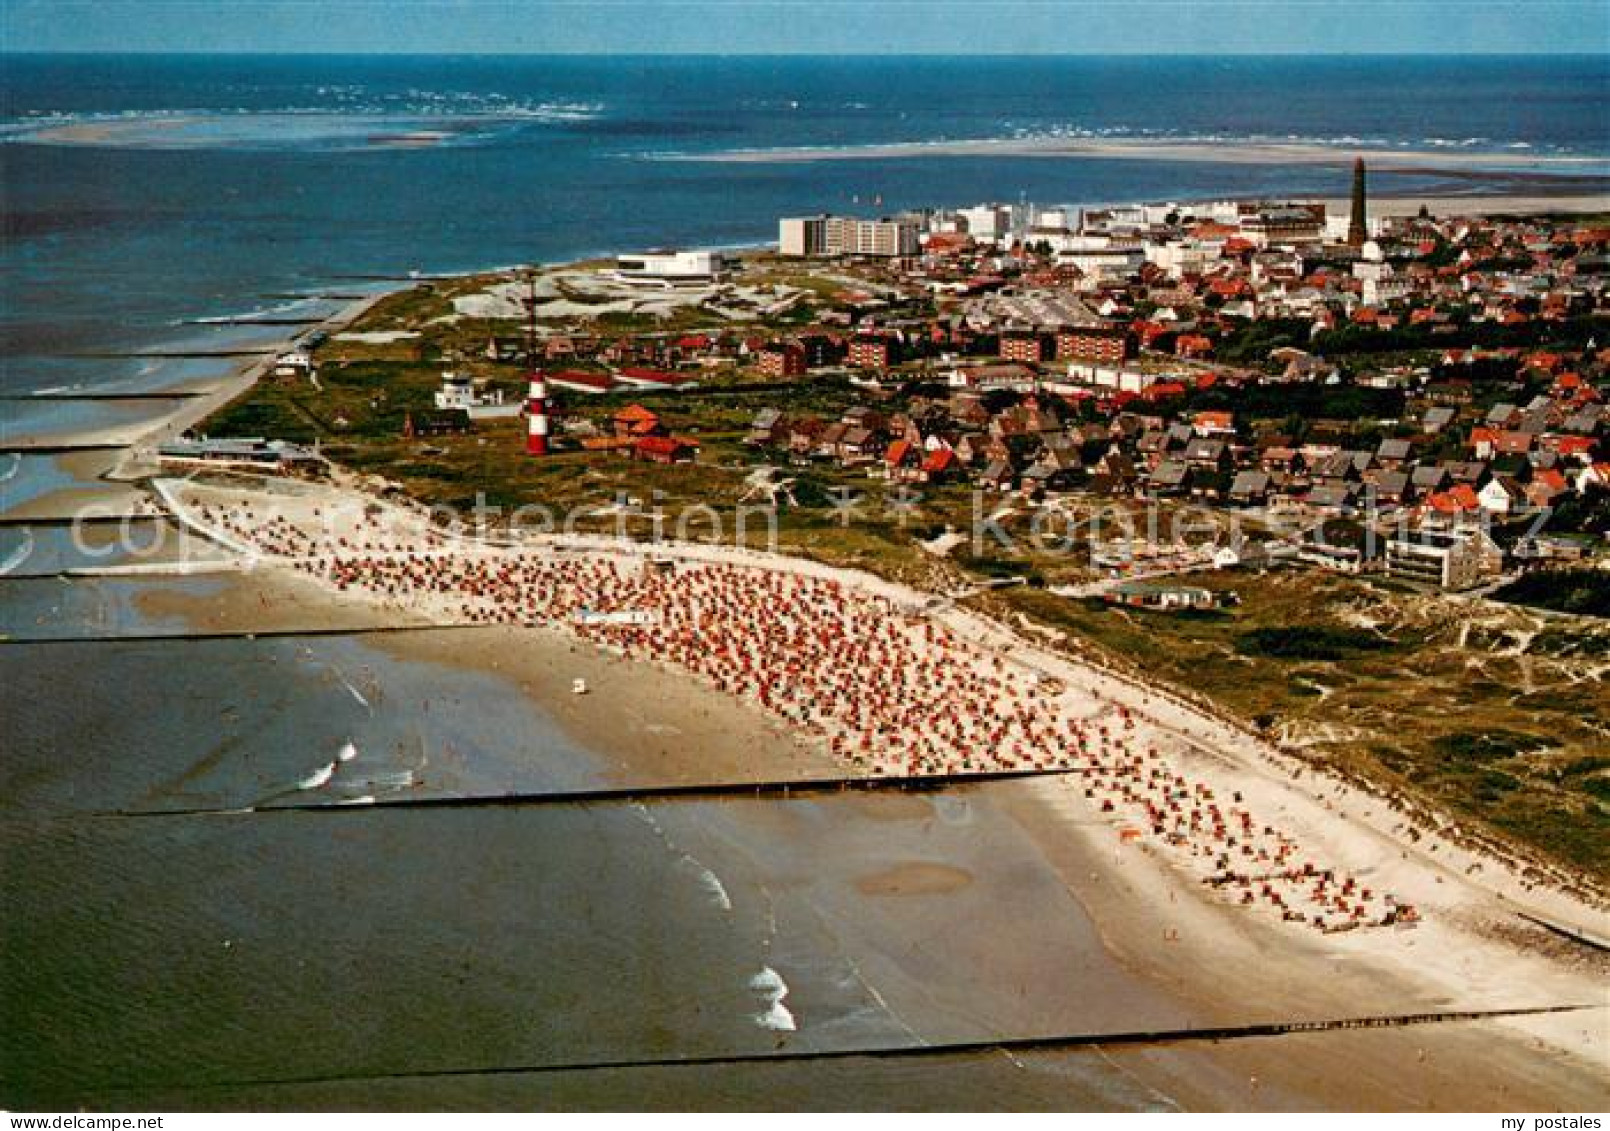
(1571, 387)
(940, 463)
(1545, 484)
(1571, 447)
(903, 460)
(1457, 500)
(664, 449)
(580, 381)
(1230, 287)
(636, 421)
(1145, 329)
(1508, 443)
(1163, 390)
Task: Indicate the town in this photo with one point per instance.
(1413, 395)
(1270, 454)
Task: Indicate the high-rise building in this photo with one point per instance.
(802, 236)
(1357, 224)
(845, 235)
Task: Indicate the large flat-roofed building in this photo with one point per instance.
(1093, 342)
(671, 266)
(1110, 262)
(889, 238)
(807, 236)
(1027, 346)
(254, 453)
(988, 223)
(802, 236)
(1451, 559)
(1268, 225)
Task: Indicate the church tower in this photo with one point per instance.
(1357, 228)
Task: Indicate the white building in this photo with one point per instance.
(1183, 257)
(1104, 262)
(1452, 559)
(474, 398)
(802, 235)
(293, 365)
(671, 266)
(988, 223)
(1387, 289)
(806, 236)
(1113, 377)
(1005, 376)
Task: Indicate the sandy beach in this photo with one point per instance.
(106, 463)
(655, 723)
(1237, 152)
(1479, 182)
(1466, 948)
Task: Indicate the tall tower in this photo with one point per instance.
(1357, 227)
(536, 415)
(536, 398)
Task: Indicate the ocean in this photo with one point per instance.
(205, 186)
(198, 961)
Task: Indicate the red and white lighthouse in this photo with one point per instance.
(536, 415)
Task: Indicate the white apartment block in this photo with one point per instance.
(845, 235)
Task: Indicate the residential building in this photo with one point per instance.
(846, 235)
(1451, 559)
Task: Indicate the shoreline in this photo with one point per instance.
(1151, 920)
(1227, 152)
(1456, 953)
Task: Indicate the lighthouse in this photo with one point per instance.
(536, 415)
(536, 396)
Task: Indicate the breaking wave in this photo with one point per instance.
(770, 987)
(318, 777)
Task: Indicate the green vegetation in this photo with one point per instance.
(1581, 591)
(1250, 342)
(1570, 333)
(1485, 745)
(1307, 642)
(1407, 707)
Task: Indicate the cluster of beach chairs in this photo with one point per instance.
(889, 690)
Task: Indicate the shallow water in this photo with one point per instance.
(45, 549)
(162, 951)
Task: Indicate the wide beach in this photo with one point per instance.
(1150, 916)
